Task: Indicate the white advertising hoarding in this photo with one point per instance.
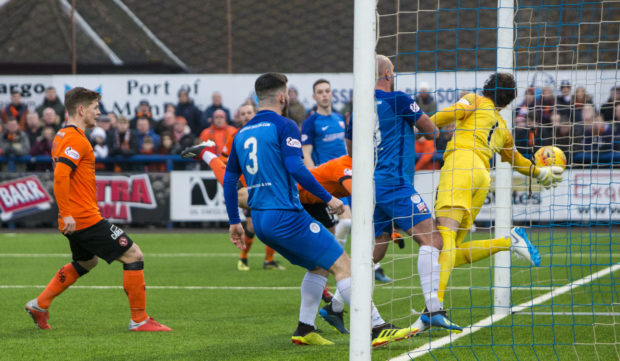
(196, 196)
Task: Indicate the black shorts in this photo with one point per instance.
(320, 212)
(102, 239)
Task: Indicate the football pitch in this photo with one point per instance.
(219, 313)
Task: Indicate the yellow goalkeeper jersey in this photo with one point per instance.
(481, 129)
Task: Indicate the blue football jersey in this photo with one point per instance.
(326, 135)
(258, 151)
(395, 158)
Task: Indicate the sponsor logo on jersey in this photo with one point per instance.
(314, 228)
(304, 137)
(123, 241)
(416, 199)
(422, 207)
(414, 107)
(341, 124)
(348, 171)
(61, 134)
(293, 143)
(72, 153)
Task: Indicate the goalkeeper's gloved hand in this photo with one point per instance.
(549, 176)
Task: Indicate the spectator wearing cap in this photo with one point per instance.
(15, 110)
(425, 100)
(142, 111)
(51, 100)
(216, 104)
(564, 100)
(190, 112)
(608, 109)
(182, 135)
(219, 131)
(33, 127)
(296, 110)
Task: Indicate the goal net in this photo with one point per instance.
(564, 57)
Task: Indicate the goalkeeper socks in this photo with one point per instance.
(446, 259)
(429, 272)
(248, 245)
(473, 251)
(65, 277)
(337, 302)
(342, 230)
(311, 292)
(217, 166)
(135, 288)
(269, 254)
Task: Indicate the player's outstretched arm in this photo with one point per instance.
(457, 111)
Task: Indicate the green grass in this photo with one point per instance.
(242, 324)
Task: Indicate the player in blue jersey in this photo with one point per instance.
(322, 139)
(267, 151)
(397, 201)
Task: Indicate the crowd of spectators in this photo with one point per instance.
(568, 120)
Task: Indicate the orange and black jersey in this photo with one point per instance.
(75, 188)
(334, 175)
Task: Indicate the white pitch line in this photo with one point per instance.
(435, 344)
(568, 314)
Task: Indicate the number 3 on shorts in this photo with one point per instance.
(251, 142)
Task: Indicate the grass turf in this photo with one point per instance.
(194, 287)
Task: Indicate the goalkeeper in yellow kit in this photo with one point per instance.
(464, 180)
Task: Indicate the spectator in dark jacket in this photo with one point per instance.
(50, 119)
(188, 110)
(564, 100)
(33, 127)
(183, 137)
(580, 100)
(216, 103)
(608, 109)
(42, 146)
(166, 124)
(51, 100)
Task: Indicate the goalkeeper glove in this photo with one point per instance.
(549, 176)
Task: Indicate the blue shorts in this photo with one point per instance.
(346, 201)
(399, 204)
(297, 237)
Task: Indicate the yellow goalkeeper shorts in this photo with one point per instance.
(464, 182)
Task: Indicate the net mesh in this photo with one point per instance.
(566, 68)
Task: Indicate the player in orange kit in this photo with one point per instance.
(90, 236)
